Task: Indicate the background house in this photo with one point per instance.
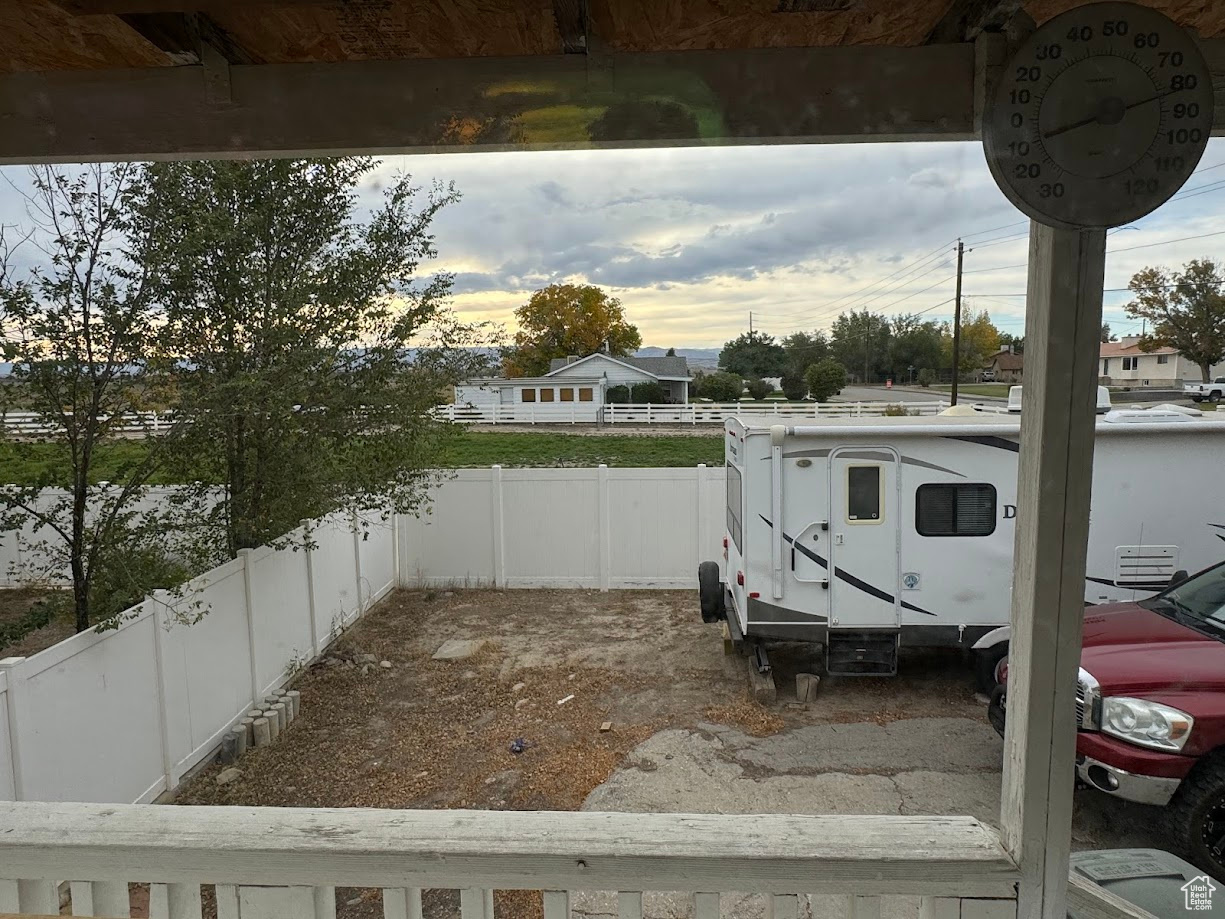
(672, 373)
(1124, 364)
(1006, 367)
(575, 388)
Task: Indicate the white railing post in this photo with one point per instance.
(648, 413)
(13, 713)
(249, 602)
(604, 527)
(573, 416)
(496, 530)
(157, 602)
(1054, 484)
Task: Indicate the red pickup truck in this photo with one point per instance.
(1150, 704)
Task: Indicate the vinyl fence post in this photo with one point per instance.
(158, 600)
(12, 712)
(702, 512)
(310, 586)
(357, 562)
(248, 595)
(648, 413)
(604, 529)
(495, 531)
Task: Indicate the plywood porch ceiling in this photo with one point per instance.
(48, 35)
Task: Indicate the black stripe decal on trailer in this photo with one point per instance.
(987, 440)
(845, 576)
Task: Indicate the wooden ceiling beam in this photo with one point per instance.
(965, 19)
(123, 7)
(695, 98)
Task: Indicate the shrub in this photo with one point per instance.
(649, 393)
(794, 388)
(926, 377)
(899, 411)
(617, 395)
(758, 388)
(825, 378)
(722, 387)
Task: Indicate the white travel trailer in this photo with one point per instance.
(864, 534)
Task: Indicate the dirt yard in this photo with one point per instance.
(438, 734)
(17, 609)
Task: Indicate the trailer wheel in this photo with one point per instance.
(710, 592)
(986, 666)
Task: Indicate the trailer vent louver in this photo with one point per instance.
(1145, 566)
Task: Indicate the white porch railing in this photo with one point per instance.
(267, 862)
(287, 862)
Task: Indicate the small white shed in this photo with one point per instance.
(577, 398)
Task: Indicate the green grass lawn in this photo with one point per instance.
(30, 463)
(482, 449)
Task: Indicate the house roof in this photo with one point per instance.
(1006, 360)
(662, 368)
(1128, 348)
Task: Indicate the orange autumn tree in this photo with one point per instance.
(565, 319)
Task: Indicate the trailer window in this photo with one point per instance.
(863, 494)
(734, 497)
(955, 510)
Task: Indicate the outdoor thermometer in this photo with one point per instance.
(1100, 116)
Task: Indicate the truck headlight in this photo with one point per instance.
(1149, 724)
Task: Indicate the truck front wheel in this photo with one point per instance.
(710, 592)
(1196, 816)
(1214, 396)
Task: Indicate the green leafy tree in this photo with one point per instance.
(859, 341)
(753, 354)
(795, 388)
(804, 349)
(565, 319)
(79, 328)
(914, 342)
(926, 377)
(758, 388)
(288, 316)
(1185, 311)
(1107, 335)
(1017, 342)
(980, 339)
(722, 387)
(825, 378)
(649, 392)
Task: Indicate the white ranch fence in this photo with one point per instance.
(29, 424)
(121, 716)
(597, 528)
(691, 413)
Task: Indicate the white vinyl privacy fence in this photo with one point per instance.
(598, 528)
(121, 716)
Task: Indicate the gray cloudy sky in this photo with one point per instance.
(691, 240)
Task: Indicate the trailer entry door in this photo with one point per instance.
(864, 525)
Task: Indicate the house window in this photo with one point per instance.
(734, 497)
(955, 510)
(1106, 367)
(863, 494)
(1129, 363)
(546, 395)
(567, 394)
(1163, 358)
(585, 394)
(529, 395)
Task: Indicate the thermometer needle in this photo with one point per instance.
(1097, 119)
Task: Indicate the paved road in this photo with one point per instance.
(879, 393)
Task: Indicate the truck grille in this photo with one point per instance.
(1088, 692)
(1081, 691)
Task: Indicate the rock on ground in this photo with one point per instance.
(458, 649)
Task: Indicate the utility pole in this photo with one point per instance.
(750, 322)
(961, 249)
